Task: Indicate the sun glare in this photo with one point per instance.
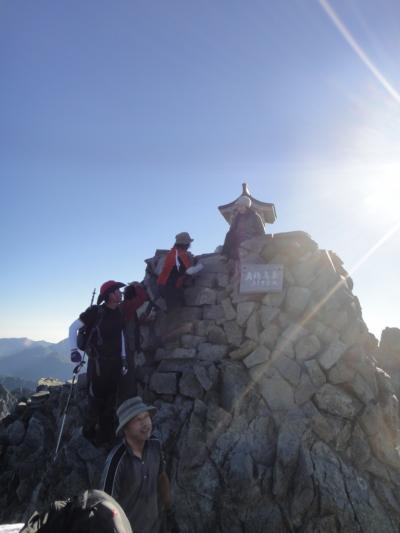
(382, 191)
(379, 179)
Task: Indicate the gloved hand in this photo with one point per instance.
(76, 356)
(191, 271)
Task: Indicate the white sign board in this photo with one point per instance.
(261, 278)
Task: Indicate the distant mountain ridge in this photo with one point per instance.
(10, 346)
(31, 360)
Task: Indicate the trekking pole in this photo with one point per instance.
(75, 372)
(64, 415)
(92, 300)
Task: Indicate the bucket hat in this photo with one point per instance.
(129, 409)
(183, 238)
(107, 288)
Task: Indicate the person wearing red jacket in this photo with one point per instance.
(135, 295)
(172, 276)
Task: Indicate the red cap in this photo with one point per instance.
(107, 288)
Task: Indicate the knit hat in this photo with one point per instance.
(183, 238)
(243, 200)
(107, 288)
(129, 409)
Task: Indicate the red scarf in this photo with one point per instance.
(170, 261)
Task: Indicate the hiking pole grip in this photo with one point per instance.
(78, 367)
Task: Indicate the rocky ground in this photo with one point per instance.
(7, 402)
(274, 409)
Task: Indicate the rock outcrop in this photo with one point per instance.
(30, 476)
(7, 402)
(17, 386)
(272, 409)
(388, 355)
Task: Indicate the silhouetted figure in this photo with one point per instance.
(246, 224)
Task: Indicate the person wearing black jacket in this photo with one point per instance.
(107, 362)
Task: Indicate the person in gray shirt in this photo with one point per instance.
(134, 473)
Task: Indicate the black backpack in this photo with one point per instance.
(90, 336)
(92, 511)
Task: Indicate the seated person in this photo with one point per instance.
(245, 224)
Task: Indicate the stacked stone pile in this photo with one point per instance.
(272, 406)
(273, 411)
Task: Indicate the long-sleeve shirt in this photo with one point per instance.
(134, 483)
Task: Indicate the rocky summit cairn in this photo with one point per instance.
(272, 409)
(273, 412)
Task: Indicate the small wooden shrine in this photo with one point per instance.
(265, 210)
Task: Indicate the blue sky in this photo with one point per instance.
(123, 123)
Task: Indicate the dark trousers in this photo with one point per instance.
(107, 389)
(173, 296)
(103, 379)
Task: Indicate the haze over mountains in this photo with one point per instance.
(31, 360)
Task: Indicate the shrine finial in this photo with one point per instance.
(245, 191)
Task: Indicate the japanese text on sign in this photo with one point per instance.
(261, 278)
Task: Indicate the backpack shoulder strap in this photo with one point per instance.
(96, 326)
(113, 460)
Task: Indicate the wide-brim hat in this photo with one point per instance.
(183, 238)
(131, 408)
(107, 288)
